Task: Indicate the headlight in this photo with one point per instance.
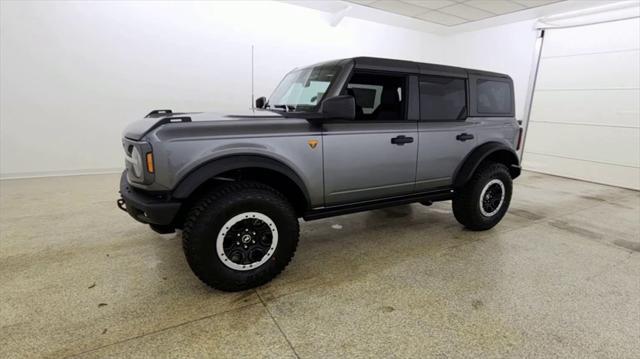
(139, 162)
(136, 162)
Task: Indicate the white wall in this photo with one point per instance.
(73, 74)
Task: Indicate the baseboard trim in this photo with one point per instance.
(82, 172)
(581, 179)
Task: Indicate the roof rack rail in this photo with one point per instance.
(158, 112)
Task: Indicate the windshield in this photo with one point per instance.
(302, 90)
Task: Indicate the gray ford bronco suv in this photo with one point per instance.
(334, 138)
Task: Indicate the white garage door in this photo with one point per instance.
(585, 117)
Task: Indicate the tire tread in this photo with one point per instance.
(214, 202)
(464, 203)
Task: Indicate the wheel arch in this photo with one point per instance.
(251, 167)
(490, 151)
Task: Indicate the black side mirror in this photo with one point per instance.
(261, 101)
(339, 107)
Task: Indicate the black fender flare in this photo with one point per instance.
(211, 169)
(507, 155)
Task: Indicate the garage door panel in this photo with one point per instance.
(595, 71)
(593, 38)
(586, 107)
(616, 145)
(627, 177)
(585, 115)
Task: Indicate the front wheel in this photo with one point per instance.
(484, 200)
(241, 235)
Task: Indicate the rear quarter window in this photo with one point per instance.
(493, 97)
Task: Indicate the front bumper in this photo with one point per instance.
(145, 207)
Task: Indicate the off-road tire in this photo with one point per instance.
(466, 201)
(205, 220)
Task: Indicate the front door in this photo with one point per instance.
(373, 156)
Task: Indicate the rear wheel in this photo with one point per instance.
(484, 200)
(241, 235)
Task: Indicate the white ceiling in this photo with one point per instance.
(447, 17)
(452, 12)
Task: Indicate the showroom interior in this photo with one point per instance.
(558, 276)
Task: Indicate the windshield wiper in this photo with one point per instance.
(286, 108)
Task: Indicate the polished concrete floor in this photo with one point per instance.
(559, 277)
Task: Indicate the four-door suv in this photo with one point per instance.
(333, 138)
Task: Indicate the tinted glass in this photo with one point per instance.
(378, 97)
(442, 98)
(494, 97)
(367, 96)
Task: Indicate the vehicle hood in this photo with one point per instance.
(138, 129)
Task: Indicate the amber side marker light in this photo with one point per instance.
(150, 162)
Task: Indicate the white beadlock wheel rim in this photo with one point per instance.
(229, 224)
(491, 212)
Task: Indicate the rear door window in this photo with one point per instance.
(442, 98)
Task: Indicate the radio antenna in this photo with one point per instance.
(253, 103)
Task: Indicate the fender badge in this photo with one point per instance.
(313, 144)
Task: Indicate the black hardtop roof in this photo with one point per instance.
(405, 66)
(382, 64)
(376, 63)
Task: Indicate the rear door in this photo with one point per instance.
(445, 135)
(373, 156)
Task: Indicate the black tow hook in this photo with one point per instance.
(121, 204)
